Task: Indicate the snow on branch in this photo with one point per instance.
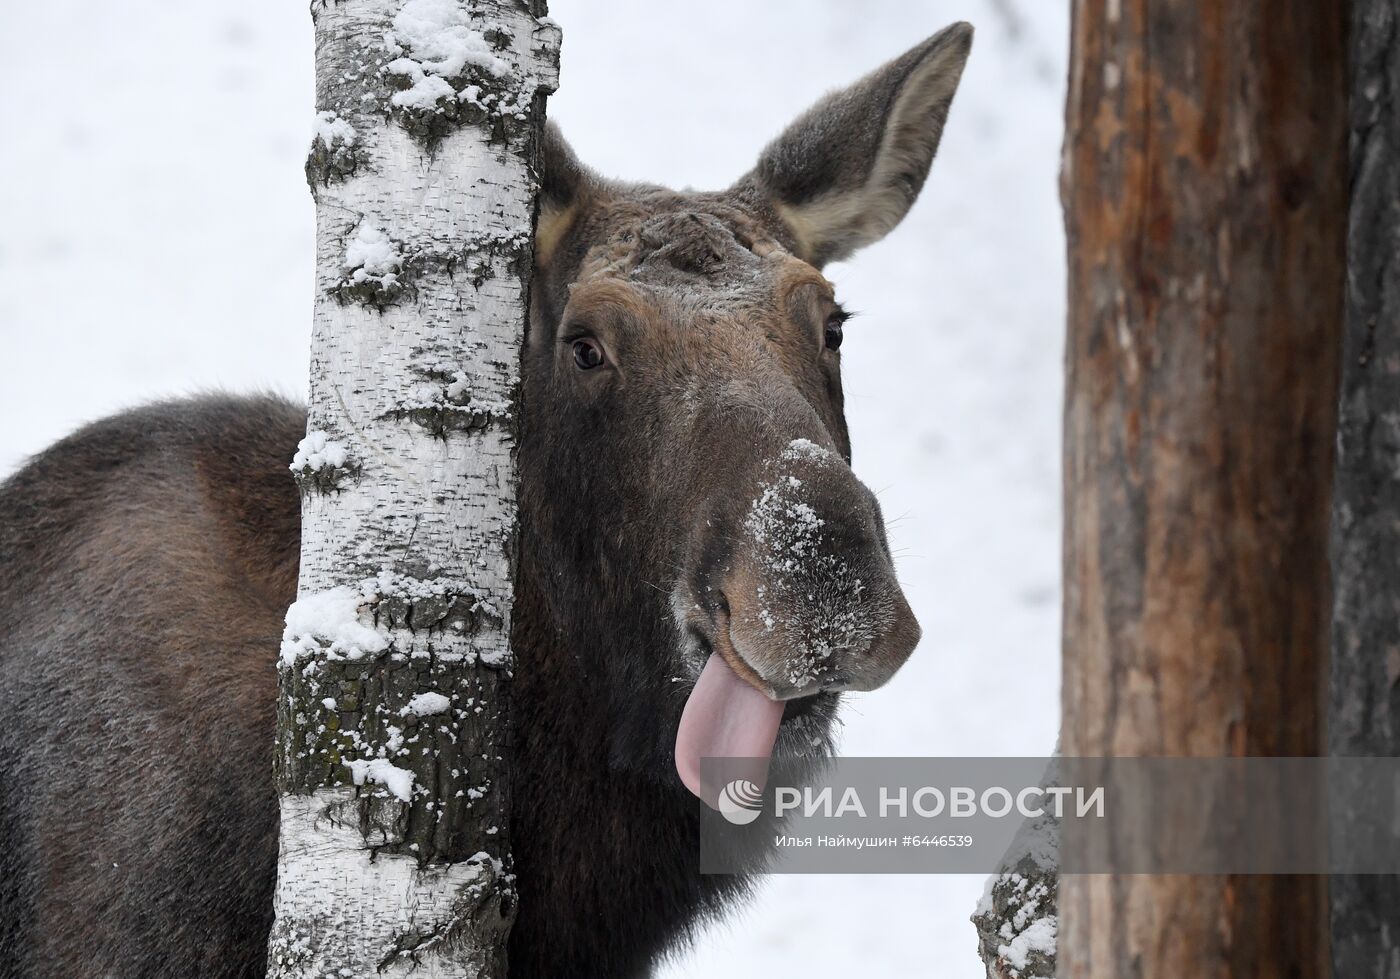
(446, 70)
(352, 623)
(321, 463)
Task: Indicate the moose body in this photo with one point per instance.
(687, 514)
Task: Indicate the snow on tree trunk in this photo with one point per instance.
(1017, 920)
(392, 747)
(1365, 718)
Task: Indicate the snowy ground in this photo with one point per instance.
(156, 238)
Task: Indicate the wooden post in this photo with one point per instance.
(1205, 189)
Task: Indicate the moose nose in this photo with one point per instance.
(811, 598)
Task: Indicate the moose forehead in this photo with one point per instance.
(686, 259)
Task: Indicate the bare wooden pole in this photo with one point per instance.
(1205, 190)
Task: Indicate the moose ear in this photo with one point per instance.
(562, 185)
(848, 170)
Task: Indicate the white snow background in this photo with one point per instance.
(156, 239)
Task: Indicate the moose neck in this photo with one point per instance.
(595, 641)
(596, 804)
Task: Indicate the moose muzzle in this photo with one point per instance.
(800, 597)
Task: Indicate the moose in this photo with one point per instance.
(699, 574)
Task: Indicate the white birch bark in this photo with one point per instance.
(391, 758)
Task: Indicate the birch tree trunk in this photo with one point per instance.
(1365, 717)
(392, 744)
(1205, 188)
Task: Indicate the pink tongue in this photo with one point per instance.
(725, 717)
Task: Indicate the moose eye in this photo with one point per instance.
(834, 332)
(587, 354)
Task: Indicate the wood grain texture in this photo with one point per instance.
(1205, 190)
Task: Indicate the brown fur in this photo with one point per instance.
(146, 563)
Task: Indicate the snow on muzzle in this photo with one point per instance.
(808, 602)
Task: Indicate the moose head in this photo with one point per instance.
(691, 524)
